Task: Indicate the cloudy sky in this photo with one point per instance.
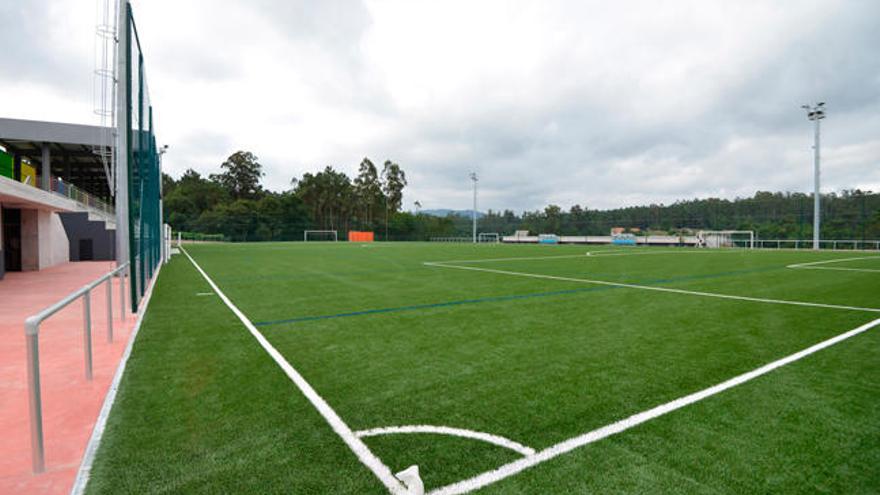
(598, 103)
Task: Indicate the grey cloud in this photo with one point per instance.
(29, 52)
(596, 120)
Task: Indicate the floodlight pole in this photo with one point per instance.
(816, 113)
(123, 124)
(474, 211)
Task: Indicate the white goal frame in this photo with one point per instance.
(722, 238)
(307, 232)
(493, 237)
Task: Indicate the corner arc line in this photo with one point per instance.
(446, 430)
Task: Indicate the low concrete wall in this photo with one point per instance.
(668, 240)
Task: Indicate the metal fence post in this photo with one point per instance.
(110, 309)
(35, 405)
(122, 293)
(87, 332)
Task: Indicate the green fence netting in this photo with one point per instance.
(144, 232)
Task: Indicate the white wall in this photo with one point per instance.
(54, 246)
(43, 240)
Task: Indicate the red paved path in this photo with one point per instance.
(70, 402)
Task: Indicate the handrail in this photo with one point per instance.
(70, 191)
(32, 338)
(832, 244)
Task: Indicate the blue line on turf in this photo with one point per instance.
(416, 307)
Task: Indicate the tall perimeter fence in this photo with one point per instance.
(139, 205)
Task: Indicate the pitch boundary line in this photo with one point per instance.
(838, 268)
(84, 473)
(498, 440)
(657, 289)
(812, 265)
(357, 446)
(566, 446)
(588, 254)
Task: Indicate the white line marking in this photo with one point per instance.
(446, 430)
(838, 268)
(607, 252)
(658, 289)
(360, 449)
(519, 465)
(204, 293)
(838, 260)
(521, 258)
(85, 468)
(812, 265)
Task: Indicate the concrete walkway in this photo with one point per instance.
(70, 402)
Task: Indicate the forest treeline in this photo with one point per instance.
(234, 204)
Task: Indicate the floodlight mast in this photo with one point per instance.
(474, 211)
(816, 113)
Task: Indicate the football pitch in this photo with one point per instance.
(328, 367)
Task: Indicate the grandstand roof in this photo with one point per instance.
(75, 149)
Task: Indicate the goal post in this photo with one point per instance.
(320, 235)
(489, 237)
(726, 238)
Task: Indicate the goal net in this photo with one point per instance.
(320, 235)
(492, 237)
(726, 238)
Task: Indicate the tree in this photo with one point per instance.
(393, 182)
(553, 218)
(241, 175)
(367, 192)
(329, 197)
(189, 197)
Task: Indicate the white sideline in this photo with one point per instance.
(84, 472)
(515, 467)
(838, 260)
(657, 289)
(446, 430)
(360, 449)
(591, 254)
(812, 265)
(838, 268)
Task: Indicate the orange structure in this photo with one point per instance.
(358, 236)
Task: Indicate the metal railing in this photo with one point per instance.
(68, 190)
(451, 239)
(32, 338)
(832, 244)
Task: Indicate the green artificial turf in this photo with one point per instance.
(387, 341)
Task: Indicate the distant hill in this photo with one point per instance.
(445, 212)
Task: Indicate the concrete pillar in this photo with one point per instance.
(46, 172)
(54, 248)
(30, 240)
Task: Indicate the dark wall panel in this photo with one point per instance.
(81, 232)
